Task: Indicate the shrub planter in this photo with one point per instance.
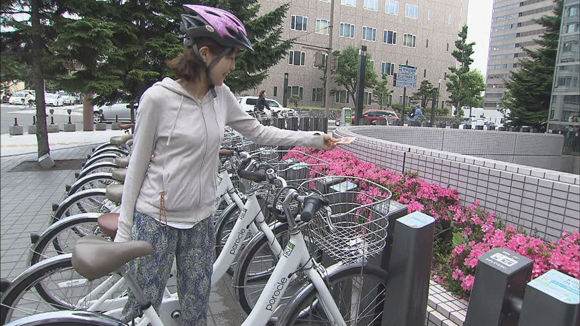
(100, 126)
(70, 127)
(52, 128)
(478, 127)
(115, 126)
(32, 129)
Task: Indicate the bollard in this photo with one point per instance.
(551, 299)
(16, 129)
(500, 279)
(409, 271)
(281, 123)
(325, 125)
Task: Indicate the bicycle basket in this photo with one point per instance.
(354, 227)
(296, 171)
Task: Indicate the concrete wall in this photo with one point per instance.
(532, 149)
(541, 202)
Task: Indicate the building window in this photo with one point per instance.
(372, 5)
(299, 23)
(372, 62)
(275, 92)
(429, 14)
(424, 73)
(390, 37)
(387, 68)
(449, 19)
(570, 46)
(447, 47)
(409, 40)
(317, 94)
(368, 98)
(427, 43)
(322, 26)
(351, 3)
(346, 30)
(411, 11)
(573, 11)
(295, 91)
(341, 96)
(297, 58)
(369, 33)
(392, 7)
(445, 75)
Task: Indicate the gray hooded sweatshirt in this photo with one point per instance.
(175, 151)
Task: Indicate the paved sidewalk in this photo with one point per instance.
(27, 195)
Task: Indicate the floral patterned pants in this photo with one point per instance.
(193, 250)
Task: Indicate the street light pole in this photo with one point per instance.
(327, 68)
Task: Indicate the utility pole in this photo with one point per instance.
(362, 63)
(327, 68)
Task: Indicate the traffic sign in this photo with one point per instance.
(407, 76)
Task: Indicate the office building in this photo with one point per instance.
(421, 33)
(565, 101)
(512, 29)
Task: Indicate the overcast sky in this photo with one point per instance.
(479, 22)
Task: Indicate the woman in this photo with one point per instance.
(170, 185)
(262, 103)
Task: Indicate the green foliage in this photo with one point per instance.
(346, 74)
(381, 91)
(464, 85)
(425, 93)
(529, 88)
(295, 99)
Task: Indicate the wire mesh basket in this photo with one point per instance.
(354, 226)
(288, 166)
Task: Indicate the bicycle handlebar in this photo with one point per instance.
(312, 204)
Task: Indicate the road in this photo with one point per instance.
(24, 115)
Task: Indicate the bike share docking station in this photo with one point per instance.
(502, 294)
(407, 258)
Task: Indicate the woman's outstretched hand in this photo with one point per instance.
(330, 142)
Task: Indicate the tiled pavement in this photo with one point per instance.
(26, 198)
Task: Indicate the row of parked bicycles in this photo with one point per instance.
(295, 243)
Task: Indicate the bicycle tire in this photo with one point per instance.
(98, 180)
(103, 157)
(50, 285)
(98, 167)
(247, 293)
(68, 318)
(304, 308)
(116, 150)
(84, 201)
(60, 237)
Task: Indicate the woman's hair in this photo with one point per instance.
(262, 92)
(187, 65)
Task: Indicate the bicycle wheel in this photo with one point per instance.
(53, 285)
(85, 201)
(223, 229)
(104, 157)
(359, 292)
(97, 167)
(60, 238)
(256, 263)
(94, 180)
(68, 318)
(117, 150)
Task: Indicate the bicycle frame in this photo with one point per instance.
(295, 255)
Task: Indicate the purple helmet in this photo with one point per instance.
(214, 23)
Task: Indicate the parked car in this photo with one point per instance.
(115, 112)
(67, 98)
(249, 102)
(21, 97)
(53, 99)
(372, 115)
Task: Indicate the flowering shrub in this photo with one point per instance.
(462, 233)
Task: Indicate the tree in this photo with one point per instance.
(347, 71)
(425, 93)
(381, 91)
(529, 89)
(464, 85)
